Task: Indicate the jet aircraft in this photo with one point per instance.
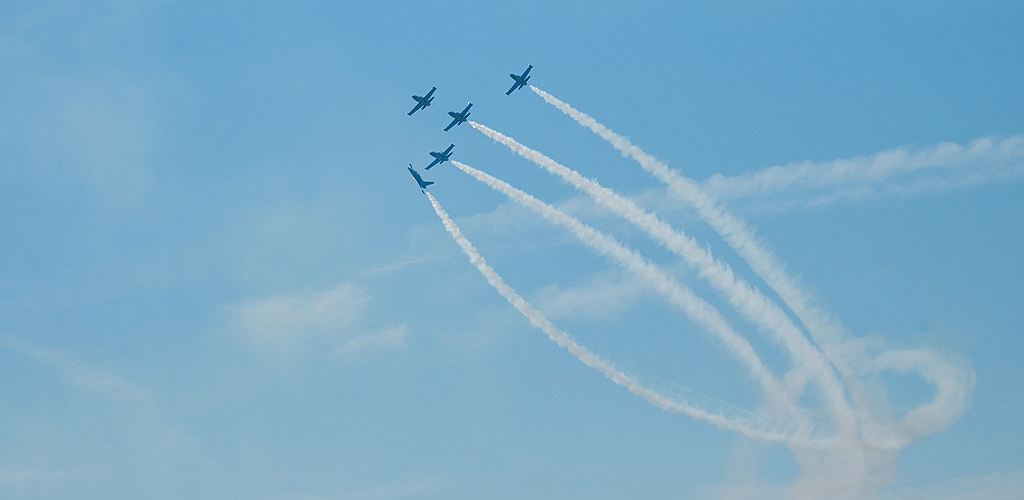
(419, 180)
(422, 102)
(520, 80)
(458, 117)
(441, 157)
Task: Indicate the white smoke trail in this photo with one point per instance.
(941, 167)
(592, 360)
(954, 383)
(826, 330)
(697, 308)
(749, 301)
(734, 231)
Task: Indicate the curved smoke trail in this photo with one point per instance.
(826, 330)
(592, 360)
(678, 294)
(750, 302)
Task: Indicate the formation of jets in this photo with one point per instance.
(458, 118)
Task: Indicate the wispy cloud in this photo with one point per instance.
(387, 339)
(292, 318)
(288, 324)
(82, 375)
(603, 296)
(396, 266)
(146, 434)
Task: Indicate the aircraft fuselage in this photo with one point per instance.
(440, 156)
(520, 80)
(422, 101)
(419, 180)
(458, 117)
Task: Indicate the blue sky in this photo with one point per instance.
(219, 281)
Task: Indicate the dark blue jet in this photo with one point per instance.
(419, 180)
(457, 117)
(422, 102)
(441, 156)
(520, 80)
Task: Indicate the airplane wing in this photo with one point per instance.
(527, 72)
(417, 108)
(435, 162)
(514, 87)
(432, 89)
(452, 124)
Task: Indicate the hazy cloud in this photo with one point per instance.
(996, 486)
(604, 296)
(135, 424)
(102, 133)
(80, 374)
(396, 266)
(392, 338)
(288, 324)
(411, 488)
